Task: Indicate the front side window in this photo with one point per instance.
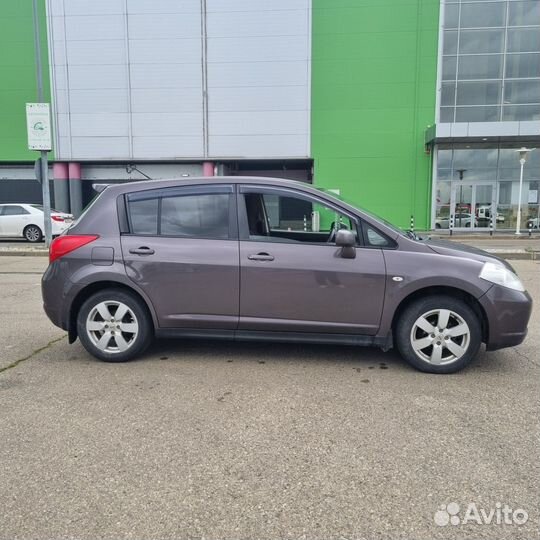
(290, 218)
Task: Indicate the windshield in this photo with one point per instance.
(339, 197)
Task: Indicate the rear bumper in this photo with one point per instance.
(53, 285)
(508, 314)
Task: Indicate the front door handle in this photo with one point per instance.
(143, 250)
(261, 257)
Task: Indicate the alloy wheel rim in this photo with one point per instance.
(112, 327)
(32, 234)
(440, 337)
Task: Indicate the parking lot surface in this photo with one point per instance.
(239, 440)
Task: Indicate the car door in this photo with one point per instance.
(293, 277)
(13, 219)
(181, 248)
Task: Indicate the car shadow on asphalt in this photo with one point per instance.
(263, 353)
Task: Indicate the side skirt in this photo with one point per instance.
(384, 343)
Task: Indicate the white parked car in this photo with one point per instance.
(460, 220)
(27, 220)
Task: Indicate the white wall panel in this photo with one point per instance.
(56, 7)
(237, 74)
(110, 100)
(252, 24)
(94, 27)
(172, 147)
(99, 148)
(257, 122)
(164, 51)
(59, 53)
(166, 76)
(133, 84)
(57, 27)
(109, 51)
(255, 5)
(258, 146)
(165, 124)
(164, 6)
(257, 49)
(261, 98)
(61, 102)
(145, 100)
(99, 124)
(165, 26)
(60, 78)
(258, 77)
(97, 76)
(94, 7)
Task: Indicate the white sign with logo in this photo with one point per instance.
(38, 124)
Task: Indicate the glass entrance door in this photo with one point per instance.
(472, 206)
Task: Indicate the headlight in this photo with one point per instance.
(500, 275)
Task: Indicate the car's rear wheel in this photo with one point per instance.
(33, 233)
(438, 334)
(114, 325)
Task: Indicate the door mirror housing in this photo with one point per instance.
(347, 241)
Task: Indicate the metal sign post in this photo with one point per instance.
(38, 121)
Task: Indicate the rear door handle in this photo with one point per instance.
(143, 250)
(261, 257)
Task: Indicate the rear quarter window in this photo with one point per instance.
(143, 216)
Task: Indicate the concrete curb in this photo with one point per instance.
(24, 253)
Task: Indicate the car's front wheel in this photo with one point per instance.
(114, 325)
(33, 233)
(438, 334)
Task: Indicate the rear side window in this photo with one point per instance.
(14, 211)
(193, 215)
(143, 215)
(199, 216)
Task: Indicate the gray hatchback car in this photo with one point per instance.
(265, 259)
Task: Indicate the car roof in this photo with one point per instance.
(142, 185)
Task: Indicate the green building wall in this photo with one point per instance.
(18, 75)
(374, 70)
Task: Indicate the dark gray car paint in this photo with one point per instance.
(318, 294)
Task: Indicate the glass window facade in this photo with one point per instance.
(478, 185)
(491, 61)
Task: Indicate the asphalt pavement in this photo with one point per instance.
(218, 440)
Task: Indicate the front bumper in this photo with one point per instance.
(508, 313)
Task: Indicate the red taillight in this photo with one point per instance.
(58, 218)
(65, 244)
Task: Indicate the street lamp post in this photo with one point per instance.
(522, 159)
(44, 172)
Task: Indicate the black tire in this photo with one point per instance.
(437, 225)
(33, 233)
(407, 321)
(138, 313)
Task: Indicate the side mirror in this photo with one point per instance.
(347, 241)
